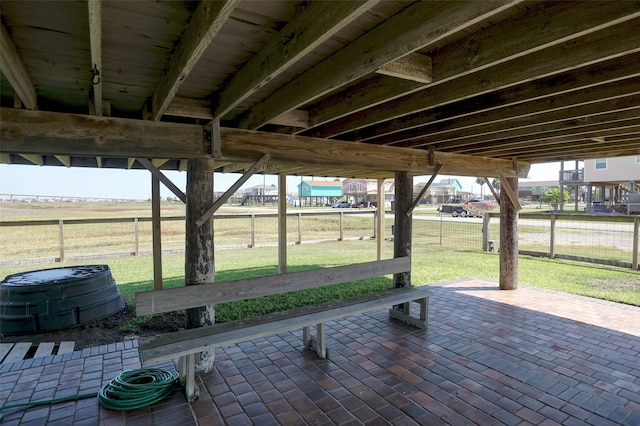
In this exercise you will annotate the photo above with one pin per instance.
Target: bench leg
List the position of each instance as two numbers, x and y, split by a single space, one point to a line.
306 337
187 372
317 343
404 315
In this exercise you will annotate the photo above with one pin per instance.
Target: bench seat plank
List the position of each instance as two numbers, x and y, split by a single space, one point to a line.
193 296
173 345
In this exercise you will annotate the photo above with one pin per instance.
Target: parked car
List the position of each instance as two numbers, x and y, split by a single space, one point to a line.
481 204
341 205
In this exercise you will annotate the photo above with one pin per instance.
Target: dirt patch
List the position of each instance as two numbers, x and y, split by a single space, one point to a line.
611 284
111 329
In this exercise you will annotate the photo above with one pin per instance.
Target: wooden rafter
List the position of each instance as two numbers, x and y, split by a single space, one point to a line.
95 41
560 120
414 67
412 29
504 67
193 108
607 78
64 159
295 118
301 35
33 158
605 125
14 70
205 24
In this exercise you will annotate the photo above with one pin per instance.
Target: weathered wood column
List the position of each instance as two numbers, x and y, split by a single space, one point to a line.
403 224
199 260
509 239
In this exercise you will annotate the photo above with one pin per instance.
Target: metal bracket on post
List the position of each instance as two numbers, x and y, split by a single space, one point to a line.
212 136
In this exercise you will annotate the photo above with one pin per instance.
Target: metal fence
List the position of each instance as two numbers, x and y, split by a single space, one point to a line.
602 239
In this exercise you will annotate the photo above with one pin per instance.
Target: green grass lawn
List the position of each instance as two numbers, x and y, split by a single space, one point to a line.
429 266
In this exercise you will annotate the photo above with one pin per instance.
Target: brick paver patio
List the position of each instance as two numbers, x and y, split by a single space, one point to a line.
489 357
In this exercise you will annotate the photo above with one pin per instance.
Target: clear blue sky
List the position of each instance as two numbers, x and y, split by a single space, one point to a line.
136 184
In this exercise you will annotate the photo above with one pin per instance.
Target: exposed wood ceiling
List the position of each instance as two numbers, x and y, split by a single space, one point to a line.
330 88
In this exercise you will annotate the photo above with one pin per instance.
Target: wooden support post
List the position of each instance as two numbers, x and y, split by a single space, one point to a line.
282 223
552 237
636 242
61 239
380 220
136 231
509 238
199 253
486 234
156 232
403 225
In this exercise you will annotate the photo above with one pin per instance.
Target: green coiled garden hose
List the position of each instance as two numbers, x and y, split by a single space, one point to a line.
129 390
132 389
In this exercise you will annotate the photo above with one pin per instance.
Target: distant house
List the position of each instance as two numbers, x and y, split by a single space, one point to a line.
319 192
613 183
605 184
366 190
445 191
260 194
533 190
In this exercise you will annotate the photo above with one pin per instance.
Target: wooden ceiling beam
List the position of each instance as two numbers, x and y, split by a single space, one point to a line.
298 37
205 24
53 133
295 118
49 133
14 70
358 96
608 121
552 141
516 67
583 152
544 120
192 108
525 100
240 145
415 27
414 66
95 43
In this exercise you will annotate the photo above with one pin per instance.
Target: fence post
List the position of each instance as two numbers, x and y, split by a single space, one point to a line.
61 238
136 249
253 230
552 237
636 241
341 227
299 228
486 220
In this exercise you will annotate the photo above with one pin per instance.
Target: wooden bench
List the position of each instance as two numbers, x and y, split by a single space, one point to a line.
185 344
